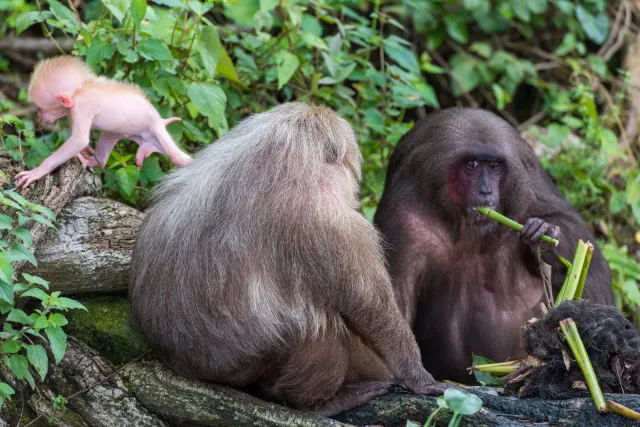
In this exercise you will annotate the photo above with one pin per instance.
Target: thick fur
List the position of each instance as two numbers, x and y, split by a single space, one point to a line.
253 265
467 288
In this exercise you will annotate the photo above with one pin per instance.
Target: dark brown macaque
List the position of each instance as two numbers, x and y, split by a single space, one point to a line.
253 266
465 283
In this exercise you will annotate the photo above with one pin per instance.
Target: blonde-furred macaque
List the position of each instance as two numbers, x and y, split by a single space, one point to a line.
66 86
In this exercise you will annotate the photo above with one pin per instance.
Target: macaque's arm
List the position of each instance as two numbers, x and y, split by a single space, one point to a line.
78 140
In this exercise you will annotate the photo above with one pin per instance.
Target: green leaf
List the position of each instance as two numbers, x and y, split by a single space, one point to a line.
314 41
11 347
482 49
268 5
37 356
6 292
595 27
63 13
520 9
138 10
537 6
41 322
19 316
35 293
209 48
19 252
617 202
36 280
58 342
411 424
211 102
6 222
402 55
456 28
64 302
58 319
454 398
19 365
99 51
27 19
633 191
226 67
128 179
43 210
118 8
24 235
287 65
598 65
153 49
6 390
18 198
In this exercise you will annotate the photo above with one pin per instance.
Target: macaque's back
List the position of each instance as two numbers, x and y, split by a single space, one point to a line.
118 107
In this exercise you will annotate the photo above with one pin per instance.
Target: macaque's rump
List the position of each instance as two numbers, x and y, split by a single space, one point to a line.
253 266
65 85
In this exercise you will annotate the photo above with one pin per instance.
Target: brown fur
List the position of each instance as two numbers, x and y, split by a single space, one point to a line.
253 266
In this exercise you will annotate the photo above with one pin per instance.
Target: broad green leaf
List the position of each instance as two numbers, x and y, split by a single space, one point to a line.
287 65
138 10
63 13
11 347
128 179
537 6
6 291
37 356
154 50
41 322
58 319
6 269
598 65
118 8
35 293
457 28
45 211
6 390
58 342
19 365
24 235
268 5
617 202
226 67
211 102
19 316
36 280
98 51
6 222
633 191
209 48
482 49
470 405
18 198
27 19
241 12
485 378
402 55
314 41
19 252
595 27
64 302
521 10
463 67
454 398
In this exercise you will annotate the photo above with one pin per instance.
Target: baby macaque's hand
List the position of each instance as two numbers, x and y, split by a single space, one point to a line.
24 178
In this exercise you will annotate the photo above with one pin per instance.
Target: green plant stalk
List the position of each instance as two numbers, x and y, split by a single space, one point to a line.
570 332
455 419
510 223
431 417
585 270
568 290
622 410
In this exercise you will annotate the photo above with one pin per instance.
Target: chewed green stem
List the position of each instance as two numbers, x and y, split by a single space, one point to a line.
510 223
585 270
572 281
570 332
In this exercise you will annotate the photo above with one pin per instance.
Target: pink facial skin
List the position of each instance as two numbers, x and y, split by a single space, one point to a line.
65 86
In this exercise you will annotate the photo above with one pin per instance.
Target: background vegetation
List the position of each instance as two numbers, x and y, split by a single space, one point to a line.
565 70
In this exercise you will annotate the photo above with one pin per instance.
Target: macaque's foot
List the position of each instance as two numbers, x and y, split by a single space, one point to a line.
181 159
87 158
424 384
533 231
352 395
24 178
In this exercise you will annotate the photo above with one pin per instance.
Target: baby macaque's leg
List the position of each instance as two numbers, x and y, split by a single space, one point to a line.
104 146
78 140
167 146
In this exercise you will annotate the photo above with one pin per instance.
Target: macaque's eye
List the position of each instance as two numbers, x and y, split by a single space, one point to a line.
472 165
495 166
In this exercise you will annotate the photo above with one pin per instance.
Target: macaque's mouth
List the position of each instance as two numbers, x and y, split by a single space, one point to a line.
475 217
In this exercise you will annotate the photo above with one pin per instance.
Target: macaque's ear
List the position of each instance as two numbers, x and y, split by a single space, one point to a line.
65 100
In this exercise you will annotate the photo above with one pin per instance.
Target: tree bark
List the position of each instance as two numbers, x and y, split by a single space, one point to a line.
91 249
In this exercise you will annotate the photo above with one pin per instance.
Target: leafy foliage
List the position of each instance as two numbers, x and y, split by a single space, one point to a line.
458 402
380 64
25 331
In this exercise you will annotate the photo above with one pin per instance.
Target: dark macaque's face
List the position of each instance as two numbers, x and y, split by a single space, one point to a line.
476 182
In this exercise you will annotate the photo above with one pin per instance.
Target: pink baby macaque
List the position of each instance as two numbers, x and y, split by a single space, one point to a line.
65 85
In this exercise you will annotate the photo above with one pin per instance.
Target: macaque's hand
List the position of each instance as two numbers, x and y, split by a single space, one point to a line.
24 178
424 384
533 231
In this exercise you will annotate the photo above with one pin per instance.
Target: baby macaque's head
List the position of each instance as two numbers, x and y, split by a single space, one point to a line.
53 84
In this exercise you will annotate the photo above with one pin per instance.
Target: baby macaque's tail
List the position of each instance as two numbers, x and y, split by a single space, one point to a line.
171 120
